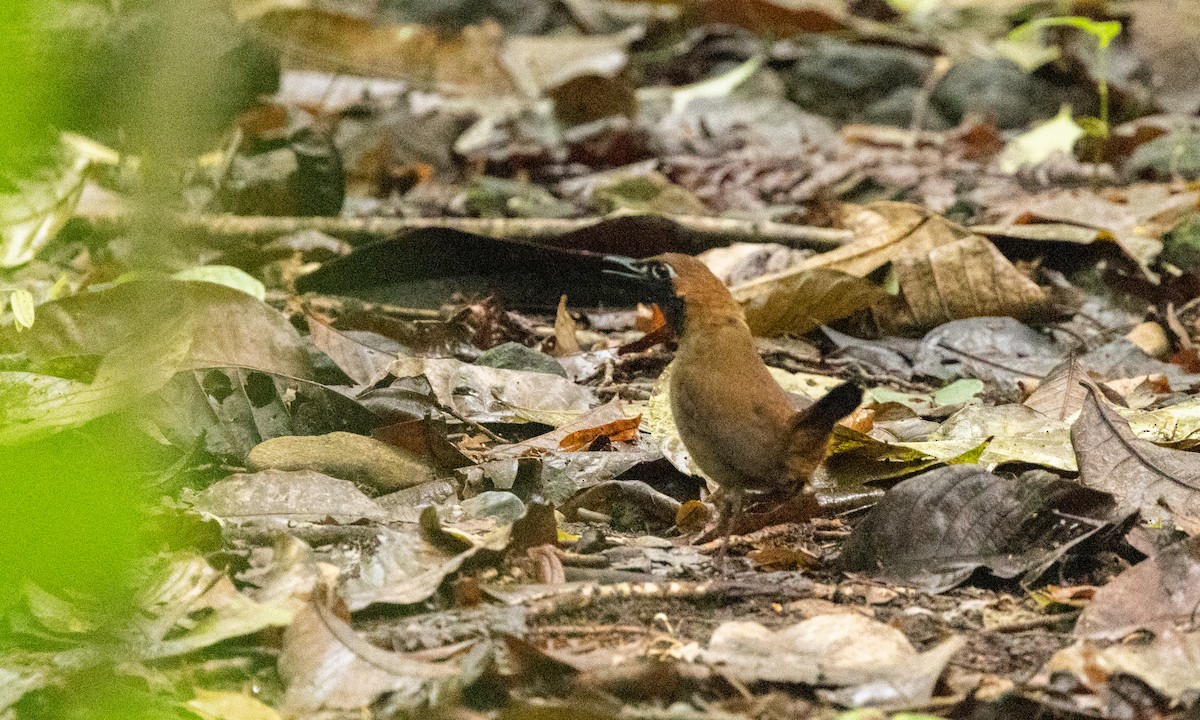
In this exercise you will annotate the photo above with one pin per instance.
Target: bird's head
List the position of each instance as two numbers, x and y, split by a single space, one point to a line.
680 284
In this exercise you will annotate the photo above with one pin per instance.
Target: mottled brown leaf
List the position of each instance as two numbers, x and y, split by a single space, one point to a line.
962 279
1159 482
1061 393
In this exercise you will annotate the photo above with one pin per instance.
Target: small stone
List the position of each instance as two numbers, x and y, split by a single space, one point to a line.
499 504
362 460
515 356
1151 339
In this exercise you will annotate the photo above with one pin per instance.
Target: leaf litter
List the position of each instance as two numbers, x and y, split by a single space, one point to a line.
416 451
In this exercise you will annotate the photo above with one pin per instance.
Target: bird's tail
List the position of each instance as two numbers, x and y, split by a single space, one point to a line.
811 428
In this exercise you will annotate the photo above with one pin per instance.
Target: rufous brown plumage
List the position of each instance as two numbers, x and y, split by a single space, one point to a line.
737 423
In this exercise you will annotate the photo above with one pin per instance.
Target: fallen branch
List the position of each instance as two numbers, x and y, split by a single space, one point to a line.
228 231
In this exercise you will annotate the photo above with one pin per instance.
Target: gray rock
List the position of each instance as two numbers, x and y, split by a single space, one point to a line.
997 89
840 80
514 356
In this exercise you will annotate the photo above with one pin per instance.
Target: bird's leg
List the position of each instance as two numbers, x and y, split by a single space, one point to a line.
729 519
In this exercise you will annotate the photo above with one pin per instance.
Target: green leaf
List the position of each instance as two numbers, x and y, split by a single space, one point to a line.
224 275
22 308
1093 127
1104 32
959 391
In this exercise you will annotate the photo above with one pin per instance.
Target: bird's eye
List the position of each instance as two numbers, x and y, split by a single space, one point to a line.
660 271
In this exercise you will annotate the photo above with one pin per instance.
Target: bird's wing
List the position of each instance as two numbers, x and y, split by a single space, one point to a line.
735 425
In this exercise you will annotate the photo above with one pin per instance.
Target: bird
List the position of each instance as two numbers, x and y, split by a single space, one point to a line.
739 426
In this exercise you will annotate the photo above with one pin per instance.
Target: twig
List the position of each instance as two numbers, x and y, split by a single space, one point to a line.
1033 624
590 630
229 231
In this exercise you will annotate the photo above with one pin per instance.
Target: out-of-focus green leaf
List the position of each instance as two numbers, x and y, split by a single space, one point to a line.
225 705
34 405
225 275
21 302
43 202
1103 31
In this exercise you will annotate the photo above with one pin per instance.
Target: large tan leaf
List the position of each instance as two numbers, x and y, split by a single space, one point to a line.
962 279
871 662
883 232
799 302
227 327
478 61
1158 594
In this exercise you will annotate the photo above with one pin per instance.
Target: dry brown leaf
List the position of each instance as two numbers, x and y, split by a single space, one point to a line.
884 232
1159 482
623 430
542 63
565 342
309 37
964 278
1157 594
327 666
797 302
1061 393
1135 219
778 18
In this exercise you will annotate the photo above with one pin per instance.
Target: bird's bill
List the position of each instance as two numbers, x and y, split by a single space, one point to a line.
626 268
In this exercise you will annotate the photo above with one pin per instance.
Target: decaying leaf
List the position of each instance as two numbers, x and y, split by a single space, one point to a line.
486 394
1158 594
362 363
226 327
868 662
565 342
1060 395
326 665
1167 663
1135 222
885 232
961 279
280 497
230 410
800 302
1163 484
623 430
1013 433
409 564
631 504
933 530
1001 351
189 606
